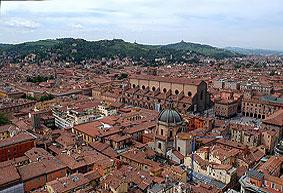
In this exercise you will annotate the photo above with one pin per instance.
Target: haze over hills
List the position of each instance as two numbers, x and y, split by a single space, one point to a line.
79 49
260 52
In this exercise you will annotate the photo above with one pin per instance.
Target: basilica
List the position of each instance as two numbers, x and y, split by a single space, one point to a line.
153 92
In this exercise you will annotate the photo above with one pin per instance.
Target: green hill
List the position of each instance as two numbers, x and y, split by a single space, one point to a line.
78 49
205 50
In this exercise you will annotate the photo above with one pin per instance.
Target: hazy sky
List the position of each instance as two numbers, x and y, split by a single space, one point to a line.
243 23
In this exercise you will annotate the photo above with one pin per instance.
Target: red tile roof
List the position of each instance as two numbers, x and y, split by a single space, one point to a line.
167 79
275 119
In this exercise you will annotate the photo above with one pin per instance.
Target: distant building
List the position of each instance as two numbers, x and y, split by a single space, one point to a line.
11 93
260 107
226 84
274 122
107 110
160 188
218 84
246 135
69 117
36 174
68 184
265 178
226 108
10 180
16 146
153 92
204 164
231 85
256 88
8 105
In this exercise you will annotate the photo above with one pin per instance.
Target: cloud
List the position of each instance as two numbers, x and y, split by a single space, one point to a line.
77 26
20 23
217 22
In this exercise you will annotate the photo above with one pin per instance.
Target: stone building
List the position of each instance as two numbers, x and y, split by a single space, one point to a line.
227 104
260 107
226 108
274 122
246 135
153 92
257 88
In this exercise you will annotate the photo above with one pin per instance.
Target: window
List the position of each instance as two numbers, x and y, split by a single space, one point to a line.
164 90
159 145
179 149
176 92
170 134
153 88
143 87
189 93
134 86
161 131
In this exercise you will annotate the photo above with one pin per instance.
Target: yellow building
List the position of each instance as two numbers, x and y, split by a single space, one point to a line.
5 131
45 105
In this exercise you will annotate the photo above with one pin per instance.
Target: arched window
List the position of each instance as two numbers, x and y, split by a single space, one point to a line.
143 87
134 86
153 88
176 92
164 90
189 93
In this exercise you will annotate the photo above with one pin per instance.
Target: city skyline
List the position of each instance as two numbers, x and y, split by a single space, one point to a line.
256 24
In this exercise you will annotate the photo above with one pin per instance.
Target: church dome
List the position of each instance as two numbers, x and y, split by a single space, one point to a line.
170 116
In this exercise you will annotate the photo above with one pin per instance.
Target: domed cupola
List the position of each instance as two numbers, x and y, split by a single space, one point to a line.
170 116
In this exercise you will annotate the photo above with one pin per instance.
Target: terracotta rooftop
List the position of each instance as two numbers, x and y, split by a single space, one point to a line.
275 119
8 175
68 183
90 129
36 169
167 79
19 138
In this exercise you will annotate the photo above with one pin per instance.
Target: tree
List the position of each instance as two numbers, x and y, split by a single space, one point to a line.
4 119
123 76
237 66
272 73
46 97
39 78
30 97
